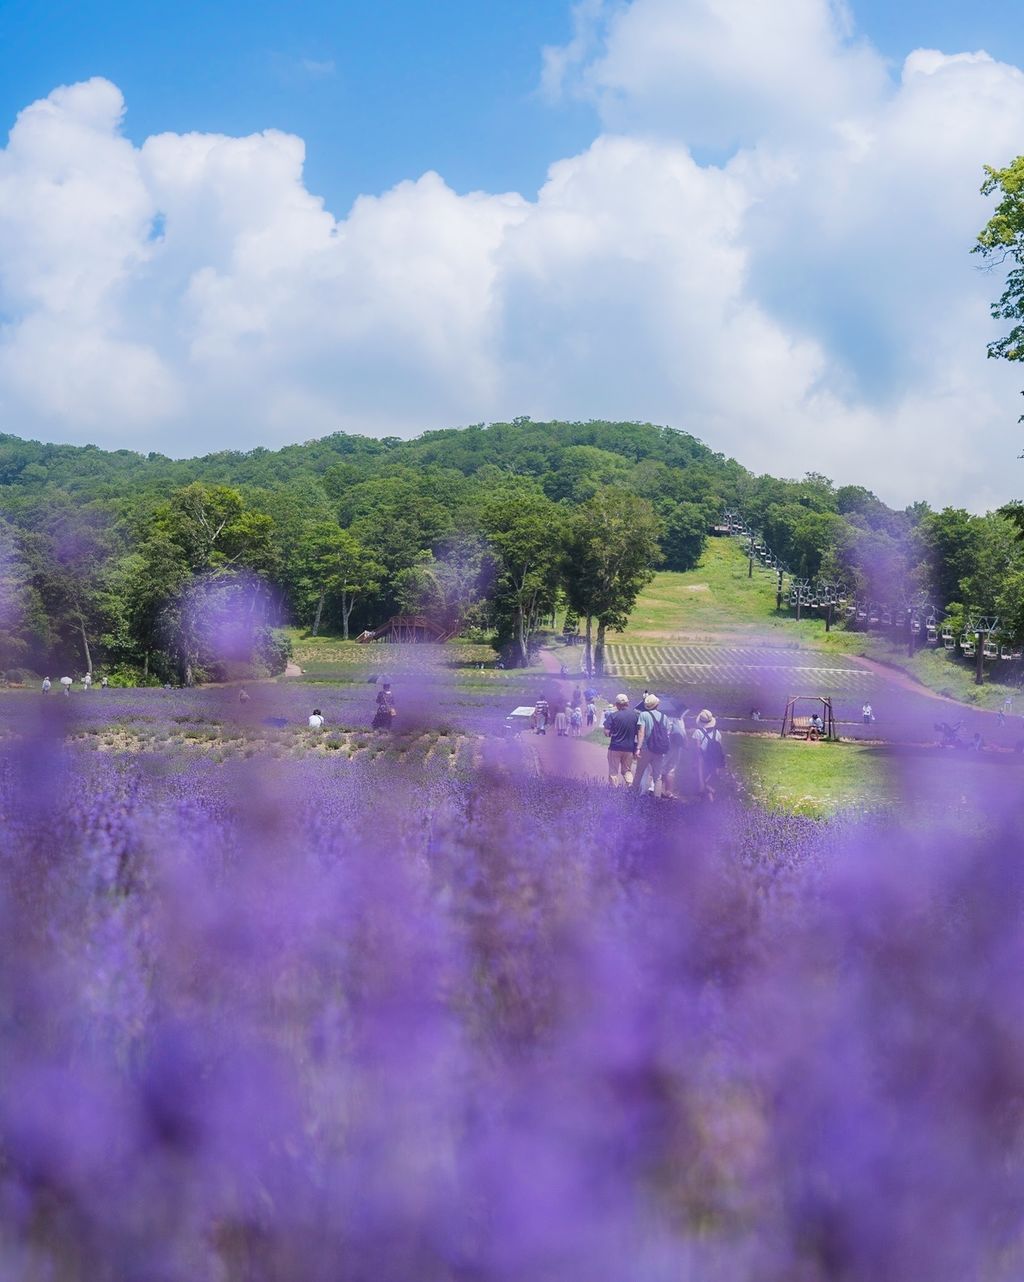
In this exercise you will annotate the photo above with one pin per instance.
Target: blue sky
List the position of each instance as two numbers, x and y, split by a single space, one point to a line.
380 91
748 220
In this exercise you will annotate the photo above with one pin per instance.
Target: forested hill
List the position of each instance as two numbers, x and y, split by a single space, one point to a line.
522 447
154 568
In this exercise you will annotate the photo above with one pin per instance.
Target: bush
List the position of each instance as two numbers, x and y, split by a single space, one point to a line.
126 676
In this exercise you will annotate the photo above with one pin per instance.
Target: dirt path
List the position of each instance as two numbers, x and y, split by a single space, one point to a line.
566 758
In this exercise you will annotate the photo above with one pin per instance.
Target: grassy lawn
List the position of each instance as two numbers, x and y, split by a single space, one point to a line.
814 779
935 668
330 658
716 599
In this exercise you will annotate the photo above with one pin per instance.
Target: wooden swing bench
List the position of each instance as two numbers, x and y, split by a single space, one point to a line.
799 726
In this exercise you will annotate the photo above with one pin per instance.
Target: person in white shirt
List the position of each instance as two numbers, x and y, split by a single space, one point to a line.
87 681
316 720
707 740
46 685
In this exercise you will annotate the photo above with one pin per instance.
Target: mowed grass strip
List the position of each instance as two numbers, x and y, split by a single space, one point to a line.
316 655
812 779
716 597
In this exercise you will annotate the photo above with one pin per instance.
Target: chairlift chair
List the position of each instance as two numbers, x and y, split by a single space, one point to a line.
886 619
967 647
873 620
948 639
990 650
932 634
1009 652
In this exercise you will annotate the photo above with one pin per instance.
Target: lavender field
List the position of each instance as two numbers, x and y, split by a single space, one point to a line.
282 1016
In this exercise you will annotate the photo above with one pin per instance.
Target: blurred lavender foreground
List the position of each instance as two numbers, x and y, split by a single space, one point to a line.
302 1023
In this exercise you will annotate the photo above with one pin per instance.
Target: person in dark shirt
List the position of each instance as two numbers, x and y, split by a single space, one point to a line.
621 729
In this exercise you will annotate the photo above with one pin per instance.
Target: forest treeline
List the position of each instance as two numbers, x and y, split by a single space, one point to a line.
158 569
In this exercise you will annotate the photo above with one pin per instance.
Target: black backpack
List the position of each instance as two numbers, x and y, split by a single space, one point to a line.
657 740
714 753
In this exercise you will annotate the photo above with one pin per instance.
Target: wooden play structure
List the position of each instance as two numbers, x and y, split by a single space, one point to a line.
404 628
797 724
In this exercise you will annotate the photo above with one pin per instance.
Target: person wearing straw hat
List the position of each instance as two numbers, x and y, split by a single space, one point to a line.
653 746
707 740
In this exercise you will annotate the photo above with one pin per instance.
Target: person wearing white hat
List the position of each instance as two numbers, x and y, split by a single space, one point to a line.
621 727
707 739
652 745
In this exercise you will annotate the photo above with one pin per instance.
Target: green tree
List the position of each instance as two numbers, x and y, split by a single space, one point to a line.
609 557
950 543
356 573
1001 241
23 633
447 588
525 531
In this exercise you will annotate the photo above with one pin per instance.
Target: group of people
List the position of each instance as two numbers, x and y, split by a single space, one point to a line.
383 716
568 719
651 750
67 682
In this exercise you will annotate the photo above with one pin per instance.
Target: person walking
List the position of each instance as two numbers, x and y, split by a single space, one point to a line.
46 685
385 713
591 713
677 743
104 683
66 684
243 695
540 717
576 722
316 720
622 727
577 697
87 681
562 723
867 714
652 746
707 740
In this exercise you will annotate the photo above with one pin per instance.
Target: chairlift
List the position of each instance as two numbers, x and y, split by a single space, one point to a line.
861 612
873 620
915 624
990 650
932 634
1009 652
886 618
967 647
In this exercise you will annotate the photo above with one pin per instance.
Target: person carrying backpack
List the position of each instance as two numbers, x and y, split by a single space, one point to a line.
677 752
707 739
652 745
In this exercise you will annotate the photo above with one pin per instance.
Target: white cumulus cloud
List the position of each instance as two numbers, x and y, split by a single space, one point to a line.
806 301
